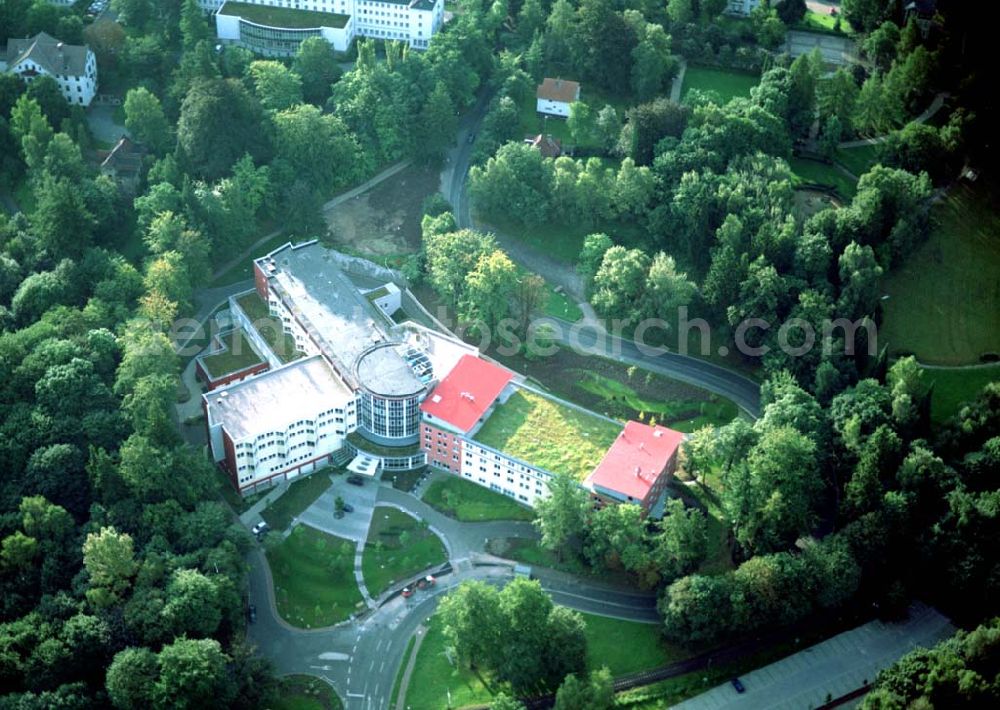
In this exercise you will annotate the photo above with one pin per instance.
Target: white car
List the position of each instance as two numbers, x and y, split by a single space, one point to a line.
260 528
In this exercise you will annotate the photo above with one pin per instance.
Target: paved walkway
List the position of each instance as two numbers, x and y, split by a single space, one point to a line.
831 669
404 683
678 84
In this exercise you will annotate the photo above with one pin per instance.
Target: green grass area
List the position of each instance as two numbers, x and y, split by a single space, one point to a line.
681 414
727 83
623 646
299 496
284 17
269 327
548 434
858 160
313 576
627 646
243 269
559 305
954 387
237 354
563 242
398 547
706 495
238 503
532 123
404 480
944 300
822 22
471 503
806 171
306 692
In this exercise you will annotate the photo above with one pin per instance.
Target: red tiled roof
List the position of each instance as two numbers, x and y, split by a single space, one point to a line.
562 90
633 463
465 394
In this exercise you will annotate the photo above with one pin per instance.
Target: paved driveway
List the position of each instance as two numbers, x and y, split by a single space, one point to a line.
835 50
831 669
353 526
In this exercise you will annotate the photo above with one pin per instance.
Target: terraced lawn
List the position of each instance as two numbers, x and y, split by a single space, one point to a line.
472 503
398 547
806 171
314 578
268 327
238 354
548 434
726 83
954 387
858 160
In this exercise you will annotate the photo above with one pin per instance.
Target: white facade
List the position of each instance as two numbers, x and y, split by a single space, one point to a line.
411 21
503 474
77 79
741 7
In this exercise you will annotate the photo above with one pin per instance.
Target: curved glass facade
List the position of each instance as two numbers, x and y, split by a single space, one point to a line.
274 40
390 420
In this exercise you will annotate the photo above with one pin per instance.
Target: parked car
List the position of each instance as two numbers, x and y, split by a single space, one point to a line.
472 138
252 613
260 528
738 685
348 508
426 582
407 592
356 480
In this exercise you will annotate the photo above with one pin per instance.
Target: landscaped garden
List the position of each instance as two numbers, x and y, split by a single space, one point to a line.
727 83
268 327
237 354
398 547
313 575
472 503
306 692
548 434
943 302
299 496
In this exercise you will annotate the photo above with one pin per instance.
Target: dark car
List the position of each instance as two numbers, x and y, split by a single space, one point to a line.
356 480
738 685
348 508
426 582
472 138
252 613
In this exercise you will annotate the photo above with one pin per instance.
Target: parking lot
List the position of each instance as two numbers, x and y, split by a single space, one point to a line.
354 525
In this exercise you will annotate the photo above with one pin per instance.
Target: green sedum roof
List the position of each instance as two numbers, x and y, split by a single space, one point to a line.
284 17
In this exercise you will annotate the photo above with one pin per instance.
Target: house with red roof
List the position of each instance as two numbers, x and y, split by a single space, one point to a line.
458 405
637 467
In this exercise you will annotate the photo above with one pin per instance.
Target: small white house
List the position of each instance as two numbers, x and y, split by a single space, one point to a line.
74 67
741 7
555 95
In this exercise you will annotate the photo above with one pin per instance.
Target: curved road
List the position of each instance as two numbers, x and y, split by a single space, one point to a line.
714 378
361 658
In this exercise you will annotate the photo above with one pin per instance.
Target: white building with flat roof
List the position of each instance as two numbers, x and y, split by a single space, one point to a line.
74 67
277 27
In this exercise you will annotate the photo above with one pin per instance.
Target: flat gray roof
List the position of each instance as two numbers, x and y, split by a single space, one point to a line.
384 371
341 320
269 402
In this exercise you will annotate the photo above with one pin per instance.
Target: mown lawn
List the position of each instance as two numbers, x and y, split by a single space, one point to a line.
306 692
548 434
471 503
314 578
954 387
727 83
398 547
822 22
807 171
623 646
944 300
858 160
563 242
299 496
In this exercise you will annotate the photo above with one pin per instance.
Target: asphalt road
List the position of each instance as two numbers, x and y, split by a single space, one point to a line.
714 378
